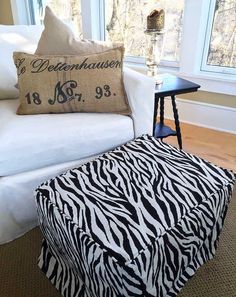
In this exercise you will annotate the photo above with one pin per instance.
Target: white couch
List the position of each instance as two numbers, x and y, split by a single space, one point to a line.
35 148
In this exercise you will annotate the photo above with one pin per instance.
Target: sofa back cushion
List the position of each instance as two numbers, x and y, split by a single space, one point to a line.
14 38
61 83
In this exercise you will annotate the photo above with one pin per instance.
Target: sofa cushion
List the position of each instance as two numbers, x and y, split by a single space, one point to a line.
62 83
36 141
14 38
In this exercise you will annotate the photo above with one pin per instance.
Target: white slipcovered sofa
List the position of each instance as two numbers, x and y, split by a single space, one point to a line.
34 148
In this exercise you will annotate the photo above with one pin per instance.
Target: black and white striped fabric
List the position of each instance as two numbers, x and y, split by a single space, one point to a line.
137 221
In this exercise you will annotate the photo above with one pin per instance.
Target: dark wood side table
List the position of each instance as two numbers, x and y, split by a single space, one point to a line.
172 86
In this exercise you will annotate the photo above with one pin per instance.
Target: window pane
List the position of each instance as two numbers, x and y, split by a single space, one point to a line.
222 49
68 11
126 22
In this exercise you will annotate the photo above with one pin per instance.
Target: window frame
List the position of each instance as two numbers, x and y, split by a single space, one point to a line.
209 28
193 41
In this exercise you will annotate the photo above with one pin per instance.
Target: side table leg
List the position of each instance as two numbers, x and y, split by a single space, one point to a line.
177 125
155 115
162 111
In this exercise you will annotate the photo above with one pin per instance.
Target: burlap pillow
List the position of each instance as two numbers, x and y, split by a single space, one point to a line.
56 84
58 38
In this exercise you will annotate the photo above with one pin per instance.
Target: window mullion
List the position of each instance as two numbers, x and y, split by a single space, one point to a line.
208 35
92 19
20 11
194 26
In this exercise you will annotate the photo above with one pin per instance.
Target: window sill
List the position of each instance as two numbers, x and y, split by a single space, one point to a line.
209 82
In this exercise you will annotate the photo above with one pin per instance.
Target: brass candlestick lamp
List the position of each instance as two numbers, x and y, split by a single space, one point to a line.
155 29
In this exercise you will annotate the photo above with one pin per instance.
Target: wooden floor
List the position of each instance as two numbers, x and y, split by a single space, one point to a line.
214 146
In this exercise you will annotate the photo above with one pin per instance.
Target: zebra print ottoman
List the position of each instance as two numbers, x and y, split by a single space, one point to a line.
136 221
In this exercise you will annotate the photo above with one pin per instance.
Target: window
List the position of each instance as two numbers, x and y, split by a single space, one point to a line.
199 39
125 21
220 46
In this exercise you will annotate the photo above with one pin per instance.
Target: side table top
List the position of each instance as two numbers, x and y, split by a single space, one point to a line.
173 85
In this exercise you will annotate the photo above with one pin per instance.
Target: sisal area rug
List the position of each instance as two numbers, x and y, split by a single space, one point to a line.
20 276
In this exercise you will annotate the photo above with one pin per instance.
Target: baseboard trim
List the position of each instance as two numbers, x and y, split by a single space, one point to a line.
202 114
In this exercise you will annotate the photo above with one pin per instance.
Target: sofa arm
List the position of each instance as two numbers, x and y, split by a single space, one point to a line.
140 92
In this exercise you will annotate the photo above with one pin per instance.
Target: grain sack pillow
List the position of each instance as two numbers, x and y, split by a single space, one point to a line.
58 38
68 83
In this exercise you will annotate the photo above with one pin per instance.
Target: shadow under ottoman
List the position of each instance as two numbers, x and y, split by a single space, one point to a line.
136 221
